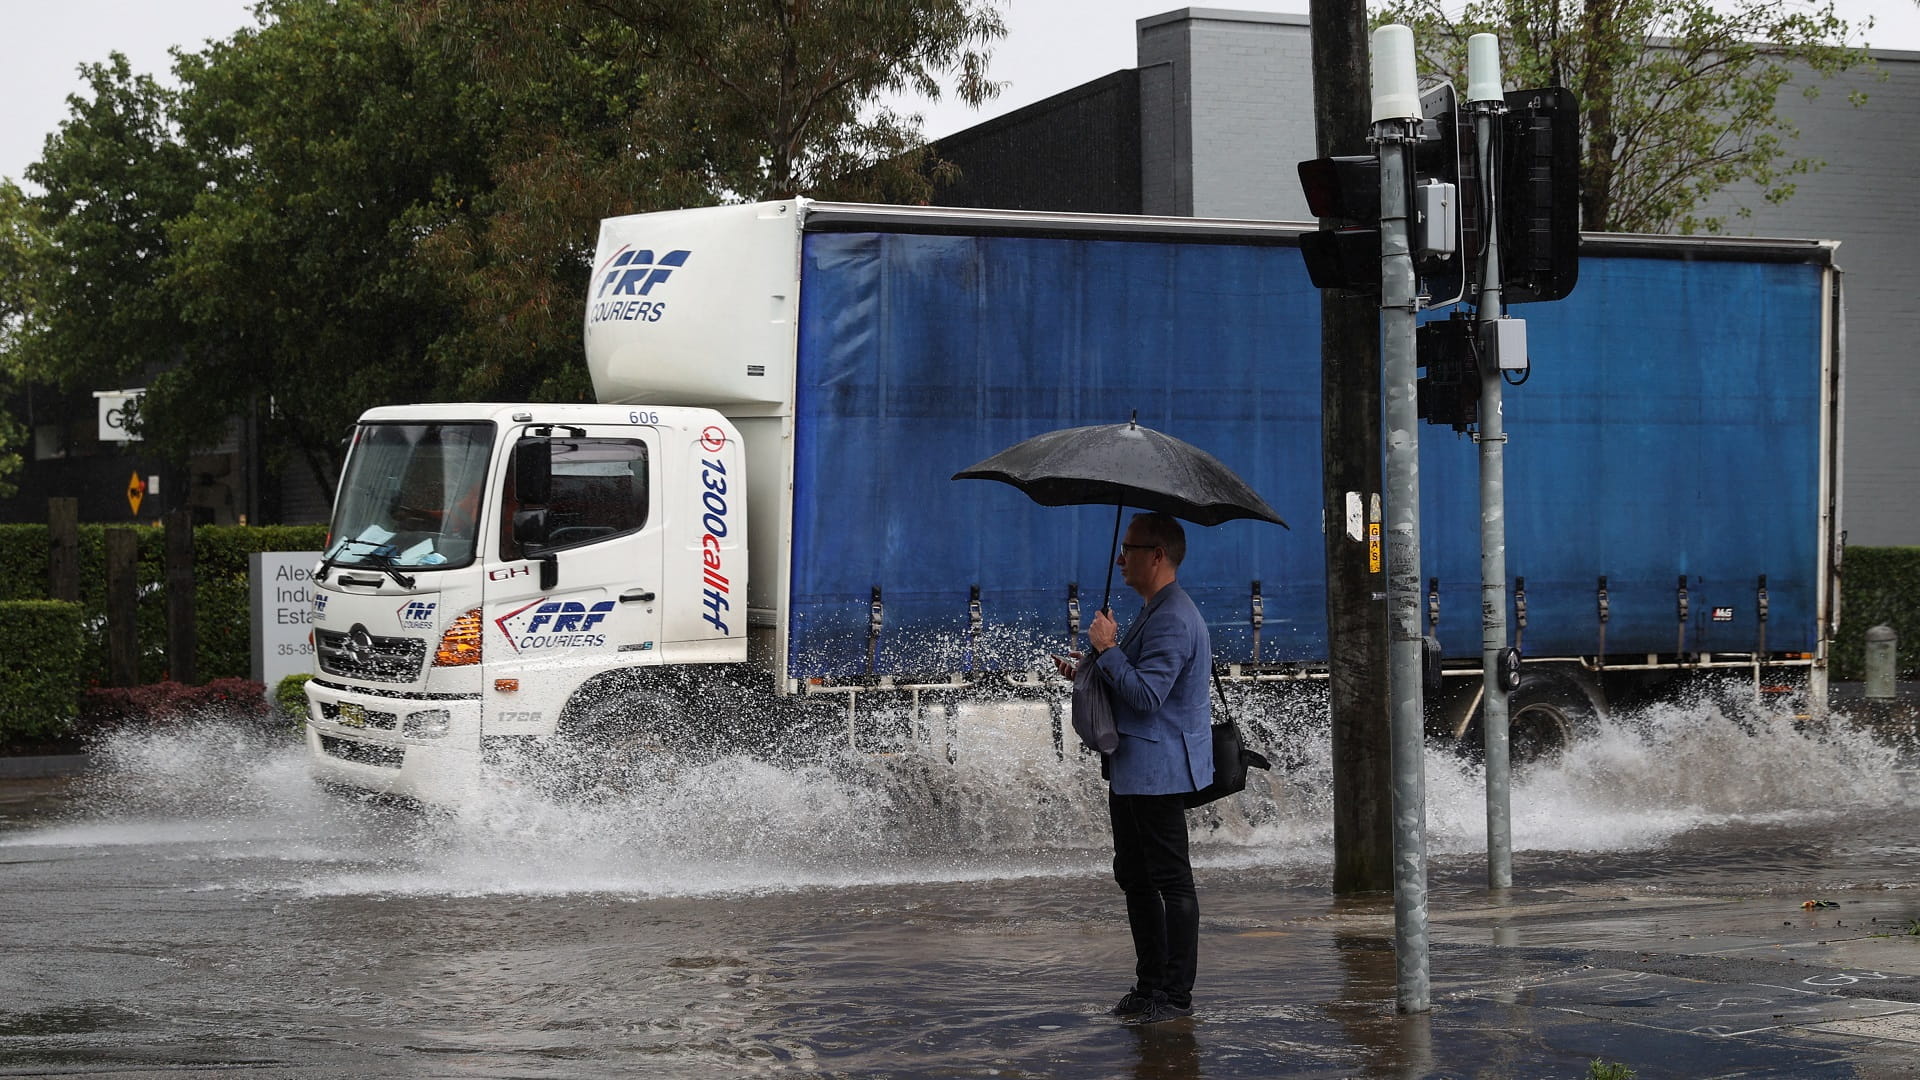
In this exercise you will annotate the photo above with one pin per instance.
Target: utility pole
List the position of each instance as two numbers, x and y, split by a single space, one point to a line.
1488 102
1350 492
1396 127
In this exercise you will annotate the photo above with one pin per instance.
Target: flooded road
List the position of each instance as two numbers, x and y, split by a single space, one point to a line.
198 904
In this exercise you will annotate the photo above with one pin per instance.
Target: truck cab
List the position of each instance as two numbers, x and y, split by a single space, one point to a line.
490 568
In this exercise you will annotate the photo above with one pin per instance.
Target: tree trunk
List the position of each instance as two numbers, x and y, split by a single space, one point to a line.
1600 27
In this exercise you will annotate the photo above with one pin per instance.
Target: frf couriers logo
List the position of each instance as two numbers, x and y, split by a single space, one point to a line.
554 624
417 614
628 276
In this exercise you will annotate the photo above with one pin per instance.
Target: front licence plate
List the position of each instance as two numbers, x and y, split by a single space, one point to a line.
352 715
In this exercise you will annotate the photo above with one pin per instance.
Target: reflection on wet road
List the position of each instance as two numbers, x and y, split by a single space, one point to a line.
198 903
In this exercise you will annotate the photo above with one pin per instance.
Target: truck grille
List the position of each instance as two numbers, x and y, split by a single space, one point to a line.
376 659
390 757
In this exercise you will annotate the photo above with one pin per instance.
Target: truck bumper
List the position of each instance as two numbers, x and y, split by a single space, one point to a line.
423 749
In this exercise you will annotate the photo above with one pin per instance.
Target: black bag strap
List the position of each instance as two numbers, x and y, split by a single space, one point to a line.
1252 758
1225 706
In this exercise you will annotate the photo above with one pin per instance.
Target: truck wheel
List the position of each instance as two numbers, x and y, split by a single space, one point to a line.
627 743
1547 714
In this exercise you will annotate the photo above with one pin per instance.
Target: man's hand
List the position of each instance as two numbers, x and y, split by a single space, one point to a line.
1065 664
1104 633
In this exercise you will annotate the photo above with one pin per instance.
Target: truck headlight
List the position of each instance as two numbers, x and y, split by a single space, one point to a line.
429 724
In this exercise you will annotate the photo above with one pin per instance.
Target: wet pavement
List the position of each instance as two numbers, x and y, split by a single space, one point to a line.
196 907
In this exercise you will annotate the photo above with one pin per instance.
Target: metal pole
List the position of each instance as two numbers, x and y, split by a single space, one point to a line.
1485 98
1396 112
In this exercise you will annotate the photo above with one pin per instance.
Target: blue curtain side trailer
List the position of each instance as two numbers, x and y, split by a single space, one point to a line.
1677 430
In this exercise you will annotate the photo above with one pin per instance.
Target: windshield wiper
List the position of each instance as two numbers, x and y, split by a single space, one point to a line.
376 550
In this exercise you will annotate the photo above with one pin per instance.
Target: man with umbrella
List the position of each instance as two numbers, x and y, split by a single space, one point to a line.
1157 679
1156 675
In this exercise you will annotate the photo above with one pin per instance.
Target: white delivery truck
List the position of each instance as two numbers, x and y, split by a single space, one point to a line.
761 512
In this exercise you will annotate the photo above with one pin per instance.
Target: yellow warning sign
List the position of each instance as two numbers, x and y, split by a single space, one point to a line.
1373 547
136 490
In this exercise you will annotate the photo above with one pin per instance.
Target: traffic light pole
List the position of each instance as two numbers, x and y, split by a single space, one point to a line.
1488 103
1396 118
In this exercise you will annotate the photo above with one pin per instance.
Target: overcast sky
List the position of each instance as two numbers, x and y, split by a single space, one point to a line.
1051 45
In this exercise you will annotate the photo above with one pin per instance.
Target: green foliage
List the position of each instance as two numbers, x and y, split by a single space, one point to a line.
1878 585
1602 1069
360 202
39 673
22 249
1677 97
291 696
221 620
112 177
639 105
222 624
330 146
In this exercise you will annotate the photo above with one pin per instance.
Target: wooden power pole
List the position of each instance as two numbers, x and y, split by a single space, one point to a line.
1350 456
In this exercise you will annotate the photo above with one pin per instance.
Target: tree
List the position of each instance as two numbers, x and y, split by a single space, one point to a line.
359 202
111 178
330 146
627 106
1677 97
23 247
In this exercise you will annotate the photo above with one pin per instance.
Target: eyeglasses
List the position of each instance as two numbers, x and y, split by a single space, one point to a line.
1137 547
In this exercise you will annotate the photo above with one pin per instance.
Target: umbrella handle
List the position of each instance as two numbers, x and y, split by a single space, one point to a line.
1112 557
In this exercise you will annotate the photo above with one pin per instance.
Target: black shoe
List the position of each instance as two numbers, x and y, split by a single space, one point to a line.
1133 1004
1160 1011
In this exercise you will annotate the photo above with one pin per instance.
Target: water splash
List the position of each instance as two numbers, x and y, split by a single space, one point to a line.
1005 805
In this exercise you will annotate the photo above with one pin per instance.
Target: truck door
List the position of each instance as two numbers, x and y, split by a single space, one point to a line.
574 593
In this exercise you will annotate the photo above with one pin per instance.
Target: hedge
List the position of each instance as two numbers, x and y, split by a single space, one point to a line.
1878 585
103 709
223 625
40 670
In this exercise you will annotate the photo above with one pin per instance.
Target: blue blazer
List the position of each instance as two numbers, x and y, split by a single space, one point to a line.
1158 674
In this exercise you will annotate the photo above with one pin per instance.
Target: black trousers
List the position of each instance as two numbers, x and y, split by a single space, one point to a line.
1150 862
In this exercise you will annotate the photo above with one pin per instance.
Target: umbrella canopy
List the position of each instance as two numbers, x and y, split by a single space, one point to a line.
1124 465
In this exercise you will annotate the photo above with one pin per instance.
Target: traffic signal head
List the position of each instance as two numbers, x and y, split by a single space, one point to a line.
1344 193
1540 195
1449 393
1343 189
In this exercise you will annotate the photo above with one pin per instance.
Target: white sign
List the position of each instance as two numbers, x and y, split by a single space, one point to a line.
116 407
282 607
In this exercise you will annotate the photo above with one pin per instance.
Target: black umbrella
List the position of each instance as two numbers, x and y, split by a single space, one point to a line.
1126 465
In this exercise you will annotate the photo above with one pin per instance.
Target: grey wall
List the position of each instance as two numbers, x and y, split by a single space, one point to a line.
1234 112
1078 151
1863 198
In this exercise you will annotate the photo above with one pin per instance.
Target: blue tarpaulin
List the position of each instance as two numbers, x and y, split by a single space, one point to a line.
1670 427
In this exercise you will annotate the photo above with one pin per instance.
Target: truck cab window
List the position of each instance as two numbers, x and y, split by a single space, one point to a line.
410 498
599 490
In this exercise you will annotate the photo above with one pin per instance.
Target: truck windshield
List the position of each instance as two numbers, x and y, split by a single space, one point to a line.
410 498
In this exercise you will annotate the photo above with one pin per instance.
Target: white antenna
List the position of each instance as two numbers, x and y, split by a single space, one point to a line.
1483 69
1396 95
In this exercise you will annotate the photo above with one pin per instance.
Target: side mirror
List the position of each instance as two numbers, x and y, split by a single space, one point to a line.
532 472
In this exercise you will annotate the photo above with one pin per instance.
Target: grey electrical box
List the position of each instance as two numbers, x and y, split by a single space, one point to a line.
1504 341
1438 207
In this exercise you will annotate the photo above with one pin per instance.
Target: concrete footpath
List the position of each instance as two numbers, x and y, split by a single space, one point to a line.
1543 984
